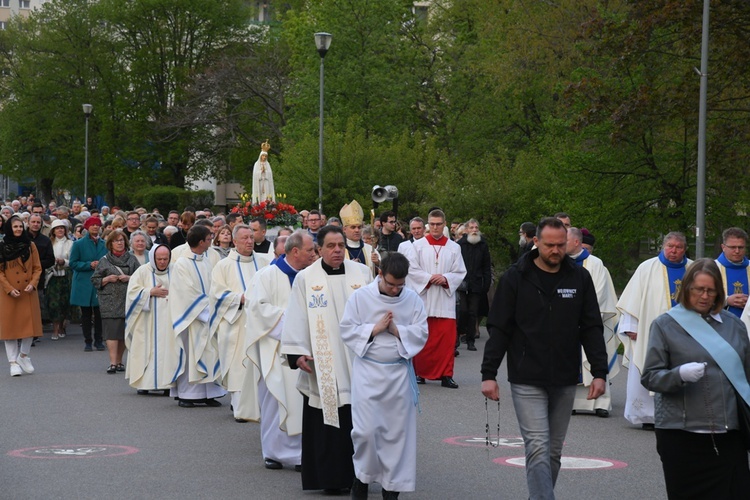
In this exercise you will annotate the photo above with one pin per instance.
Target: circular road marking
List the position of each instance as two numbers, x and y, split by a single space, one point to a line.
569 463
75 451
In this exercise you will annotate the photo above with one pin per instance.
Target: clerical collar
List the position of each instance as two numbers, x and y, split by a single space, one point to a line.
331 271
675 265
354 244
581 256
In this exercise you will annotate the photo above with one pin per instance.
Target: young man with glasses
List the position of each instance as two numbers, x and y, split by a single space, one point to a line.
733 265
436 270
384 325
648 295
389 238
314 221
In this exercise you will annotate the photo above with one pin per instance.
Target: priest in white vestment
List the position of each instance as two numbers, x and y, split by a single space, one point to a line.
607 298
436 270
352 219
651 291
231 280
385 326
269 391
153 352
311 340
191 312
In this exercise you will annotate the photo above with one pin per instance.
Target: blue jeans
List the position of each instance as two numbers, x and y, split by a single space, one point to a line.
543 414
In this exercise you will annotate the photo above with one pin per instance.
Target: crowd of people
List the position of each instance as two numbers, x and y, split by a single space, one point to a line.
321 332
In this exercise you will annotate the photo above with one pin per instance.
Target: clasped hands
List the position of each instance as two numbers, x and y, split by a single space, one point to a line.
386 324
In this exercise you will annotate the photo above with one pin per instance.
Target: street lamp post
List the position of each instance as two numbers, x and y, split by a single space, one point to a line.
322 42
87 108
700 206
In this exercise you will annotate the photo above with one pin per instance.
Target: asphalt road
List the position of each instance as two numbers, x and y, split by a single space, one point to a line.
72 431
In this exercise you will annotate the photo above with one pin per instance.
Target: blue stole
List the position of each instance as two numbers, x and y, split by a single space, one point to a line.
723 353
584 255
675 272
286 269
735 276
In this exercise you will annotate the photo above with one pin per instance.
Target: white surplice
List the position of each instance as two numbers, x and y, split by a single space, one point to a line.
646 297
189 305
384 391
269 390
231 278
153 352
607 298
424 261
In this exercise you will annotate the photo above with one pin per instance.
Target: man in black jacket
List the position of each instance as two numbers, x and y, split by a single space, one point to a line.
545 308
44 247
473 298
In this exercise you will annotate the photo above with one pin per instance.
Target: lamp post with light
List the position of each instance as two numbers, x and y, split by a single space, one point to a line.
87 108
322 42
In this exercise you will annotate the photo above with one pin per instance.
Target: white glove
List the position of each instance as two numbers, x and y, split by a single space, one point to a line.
692 372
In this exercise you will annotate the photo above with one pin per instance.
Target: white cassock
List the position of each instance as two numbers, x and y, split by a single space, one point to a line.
311 328
384 390
153 352
646 297
406 248
184 251
607 297
230 279
269 391
189 305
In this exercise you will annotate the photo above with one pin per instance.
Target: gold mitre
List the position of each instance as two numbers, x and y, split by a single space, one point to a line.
265 146
352 214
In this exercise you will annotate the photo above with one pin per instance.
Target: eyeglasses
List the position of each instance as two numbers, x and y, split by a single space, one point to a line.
435 224
391 221
699 292
393 285
312 220
735 248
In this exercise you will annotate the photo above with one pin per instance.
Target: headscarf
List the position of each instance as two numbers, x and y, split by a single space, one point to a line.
13 247
152 259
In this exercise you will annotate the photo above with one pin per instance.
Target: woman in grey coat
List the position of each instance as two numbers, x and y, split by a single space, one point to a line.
111 280
697 425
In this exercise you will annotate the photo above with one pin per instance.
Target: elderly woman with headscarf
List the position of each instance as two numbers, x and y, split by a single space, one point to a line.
111 280
21 318
153 352
58 279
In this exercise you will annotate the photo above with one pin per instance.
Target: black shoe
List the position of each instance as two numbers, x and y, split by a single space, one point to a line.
99 346
648 427
212 403
389 495
456 353
270 463
602 413
359 490
298 468
420 380
111 369
88 347
448 382
120 367
185 404
165 392
240 420
471 347
142 392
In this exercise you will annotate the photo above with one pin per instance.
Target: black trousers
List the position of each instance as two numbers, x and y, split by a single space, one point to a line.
693 470
468 314
86 321
327 451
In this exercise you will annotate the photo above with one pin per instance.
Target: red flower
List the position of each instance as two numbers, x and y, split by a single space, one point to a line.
269 216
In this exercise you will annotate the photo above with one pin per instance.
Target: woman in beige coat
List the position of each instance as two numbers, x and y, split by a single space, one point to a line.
21 318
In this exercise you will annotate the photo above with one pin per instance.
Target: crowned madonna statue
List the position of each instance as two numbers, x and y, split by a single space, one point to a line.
263 188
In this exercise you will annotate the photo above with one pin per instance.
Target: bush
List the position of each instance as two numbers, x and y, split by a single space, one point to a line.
167 198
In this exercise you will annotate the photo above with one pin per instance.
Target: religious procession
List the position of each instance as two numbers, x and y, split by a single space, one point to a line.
321 329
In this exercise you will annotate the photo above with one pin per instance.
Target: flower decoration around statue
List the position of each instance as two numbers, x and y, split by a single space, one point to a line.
276 213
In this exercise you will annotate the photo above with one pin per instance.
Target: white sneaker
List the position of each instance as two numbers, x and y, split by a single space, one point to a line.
15 370
25 363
